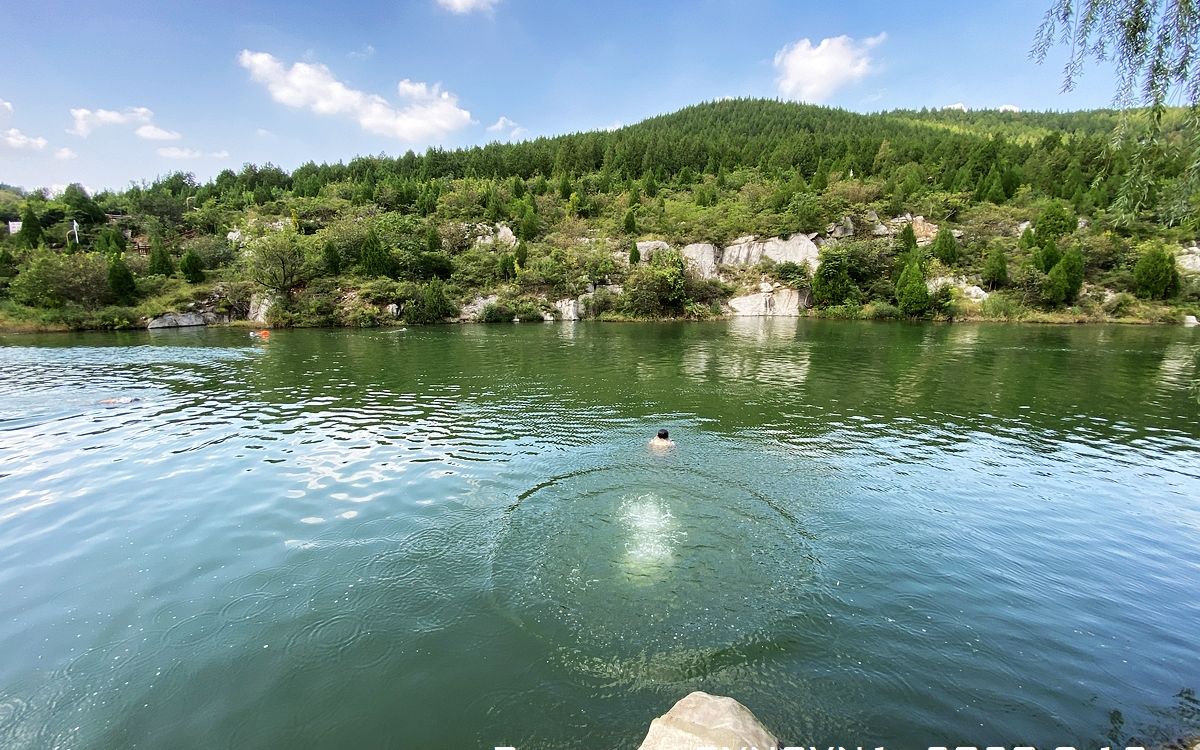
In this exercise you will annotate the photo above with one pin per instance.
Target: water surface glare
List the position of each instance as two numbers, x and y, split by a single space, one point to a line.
870 534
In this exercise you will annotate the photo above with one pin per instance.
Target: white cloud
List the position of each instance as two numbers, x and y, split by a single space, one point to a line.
6 106
511 130
1009 108
155 133
362 53
429 112
87 120
957 105
813 74
176 152
264 133
16 139
467 6
63 154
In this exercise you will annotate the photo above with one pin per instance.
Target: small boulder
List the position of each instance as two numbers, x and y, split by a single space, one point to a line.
701 720
648 248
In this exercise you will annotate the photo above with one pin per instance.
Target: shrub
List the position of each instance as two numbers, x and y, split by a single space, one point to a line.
911 294
945 247
191 267
121 286
995 268
431 305
879 310
1155 273
495 312
1118 304
50 279
999 305
794 275
214 252
160 260
831 284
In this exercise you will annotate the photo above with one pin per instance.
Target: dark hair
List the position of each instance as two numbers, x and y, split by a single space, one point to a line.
662 434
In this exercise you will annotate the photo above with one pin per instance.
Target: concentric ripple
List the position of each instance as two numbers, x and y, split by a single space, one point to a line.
630 571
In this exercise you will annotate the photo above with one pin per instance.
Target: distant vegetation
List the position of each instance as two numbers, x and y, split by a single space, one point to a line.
338 244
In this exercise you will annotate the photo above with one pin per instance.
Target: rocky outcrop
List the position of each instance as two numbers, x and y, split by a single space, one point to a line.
260 305
925 231
748 251
703 258
500 234
781 303
647 249
700 720
971 291
568 309
1188 260
471 312
183 320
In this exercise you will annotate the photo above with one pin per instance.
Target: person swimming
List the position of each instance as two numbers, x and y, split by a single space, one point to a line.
662 440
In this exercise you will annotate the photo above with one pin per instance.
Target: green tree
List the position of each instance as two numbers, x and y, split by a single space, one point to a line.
80 206
995 268
635 255
522 255
1047 256
121 286
431 304
433 240
912 296
650 185
331 259
1028 241
1053 222
375 259
51 279
160 259
945 247
906 241
630 222
564 187
1055 286
30 235
1071 265
192 267
831 284
1155 273
276 262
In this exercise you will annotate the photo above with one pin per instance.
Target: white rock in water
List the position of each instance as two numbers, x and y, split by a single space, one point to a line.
647 249
179 320
568 309
702 258
797 248
701 720
781 303
1189 320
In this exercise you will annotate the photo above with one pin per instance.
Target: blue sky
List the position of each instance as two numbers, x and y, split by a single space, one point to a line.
103 93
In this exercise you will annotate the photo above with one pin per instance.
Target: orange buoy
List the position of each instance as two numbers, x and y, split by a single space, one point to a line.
264 333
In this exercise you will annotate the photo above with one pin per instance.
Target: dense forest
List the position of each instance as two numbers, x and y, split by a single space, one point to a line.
1030 206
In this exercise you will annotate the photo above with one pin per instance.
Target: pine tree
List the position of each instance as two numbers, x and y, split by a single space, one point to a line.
650 185
331 259
995 268
1155 273
911 294
564 187
1028 240
433 240
630 222
906 241
30 235
160 259
1047 256
120 281
1072 265
945 247
995 190
191 267
635 255
522 255
375 259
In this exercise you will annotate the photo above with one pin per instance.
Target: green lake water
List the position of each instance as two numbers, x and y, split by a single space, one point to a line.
456 537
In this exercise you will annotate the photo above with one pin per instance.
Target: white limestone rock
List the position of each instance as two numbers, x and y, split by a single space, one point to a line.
975 293
260 305
971 291
1188 260
648 248
700 720
181 320
1190 320
797 248
470 312
703 258
568 309
780 303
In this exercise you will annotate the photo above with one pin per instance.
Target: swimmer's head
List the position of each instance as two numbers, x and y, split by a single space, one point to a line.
663 435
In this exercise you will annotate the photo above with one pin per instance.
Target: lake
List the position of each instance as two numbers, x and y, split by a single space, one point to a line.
455 536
